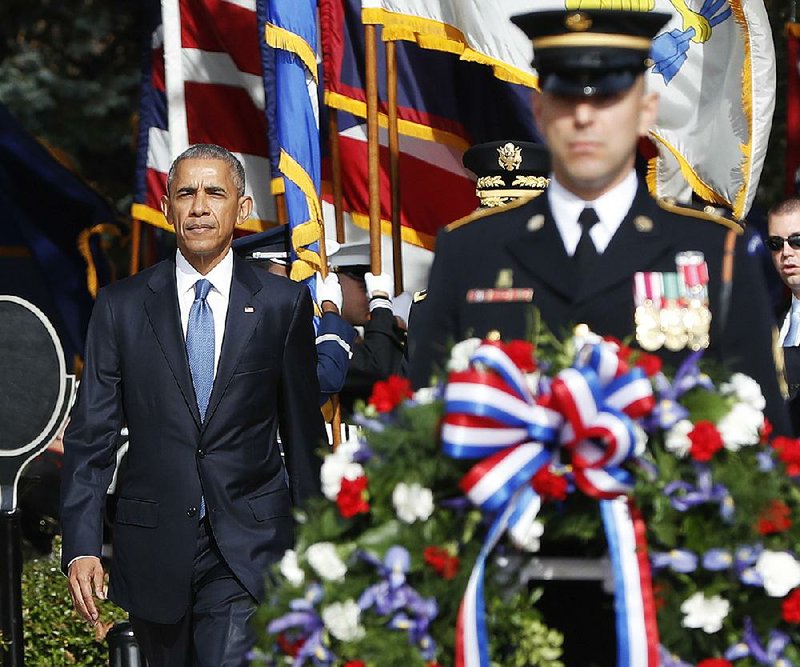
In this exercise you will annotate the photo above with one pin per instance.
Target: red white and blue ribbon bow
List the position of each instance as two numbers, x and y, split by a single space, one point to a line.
586 416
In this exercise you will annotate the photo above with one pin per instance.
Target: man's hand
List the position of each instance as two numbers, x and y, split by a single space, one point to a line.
378 285
86 576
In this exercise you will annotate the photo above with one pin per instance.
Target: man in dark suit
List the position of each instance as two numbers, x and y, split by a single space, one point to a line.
203 358
574 252
783 243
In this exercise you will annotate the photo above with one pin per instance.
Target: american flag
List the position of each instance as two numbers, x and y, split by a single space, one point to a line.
202 82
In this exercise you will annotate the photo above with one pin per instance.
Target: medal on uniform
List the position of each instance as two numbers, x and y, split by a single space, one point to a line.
693 277
647 297
671 315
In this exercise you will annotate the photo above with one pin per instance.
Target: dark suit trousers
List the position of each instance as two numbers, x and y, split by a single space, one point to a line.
216 631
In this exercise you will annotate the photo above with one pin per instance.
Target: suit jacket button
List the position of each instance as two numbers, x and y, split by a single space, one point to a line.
191 512
201 453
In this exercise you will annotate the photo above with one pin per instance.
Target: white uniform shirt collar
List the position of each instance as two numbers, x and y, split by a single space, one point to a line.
611 209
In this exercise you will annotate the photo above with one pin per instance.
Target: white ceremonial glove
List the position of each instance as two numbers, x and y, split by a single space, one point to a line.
377 284
328 289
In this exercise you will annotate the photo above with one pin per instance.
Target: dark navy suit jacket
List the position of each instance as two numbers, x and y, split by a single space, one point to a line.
137 375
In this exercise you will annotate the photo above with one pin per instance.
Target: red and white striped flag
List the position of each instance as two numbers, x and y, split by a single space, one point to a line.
205 85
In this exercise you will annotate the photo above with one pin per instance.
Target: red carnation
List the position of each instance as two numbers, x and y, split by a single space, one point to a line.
388 394
789 452
354 663
521 353
441 560
291 648
624 352
715 662
790 607
649 363
352 497
766 431
774 518
706 441
549 485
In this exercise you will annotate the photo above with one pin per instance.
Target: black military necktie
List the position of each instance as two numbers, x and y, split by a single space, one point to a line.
586 252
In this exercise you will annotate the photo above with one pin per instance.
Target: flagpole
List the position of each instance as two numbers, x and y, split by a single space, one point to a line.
336 172
336 418
394 165
373 149
136 245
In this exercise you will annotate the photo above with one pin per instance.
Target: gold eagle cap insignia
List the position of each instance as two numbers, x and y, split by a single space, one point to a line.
577 22
509 156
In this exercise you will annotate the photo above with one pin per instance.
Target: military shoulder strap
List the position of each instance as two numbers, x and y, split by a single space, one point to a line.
714 214
479 213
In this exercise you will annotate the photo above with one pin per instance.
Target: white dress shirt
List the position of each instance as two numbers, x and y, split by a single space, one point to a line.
611 209
786 321
218 297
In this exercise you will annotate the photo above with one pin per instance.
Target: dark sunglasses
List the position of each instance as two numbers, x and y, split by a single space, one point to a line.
775 243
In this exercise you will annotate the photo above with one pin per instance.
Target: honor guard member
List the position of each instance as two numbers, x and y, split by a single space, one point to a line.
506 170
367 304
597 248
270 251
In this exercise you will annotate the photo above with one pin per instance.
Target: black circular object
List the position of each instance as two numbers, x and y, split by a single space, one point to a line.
33 381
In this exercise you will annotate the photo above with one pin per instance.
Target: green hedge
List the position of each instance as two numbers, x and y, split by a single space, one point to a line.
54 633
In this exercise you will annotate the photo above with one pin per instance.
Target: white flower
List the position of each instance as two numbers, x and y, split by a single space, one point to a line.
342 620
291 569
339 465
739 428
461 353
424 395
412 502
529 541
779 571
325 560
706 613
677 438
746 390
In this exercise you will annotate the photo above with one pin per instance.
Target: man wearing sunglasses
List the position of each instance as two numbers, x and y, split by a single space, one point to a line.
783 242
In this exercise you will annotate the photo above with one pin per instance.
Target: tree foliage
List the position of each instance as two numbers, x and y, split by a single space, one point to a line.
69 71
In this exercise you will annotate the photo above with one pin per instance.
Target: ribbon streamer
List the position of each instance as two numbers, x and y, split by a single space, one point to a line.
587 414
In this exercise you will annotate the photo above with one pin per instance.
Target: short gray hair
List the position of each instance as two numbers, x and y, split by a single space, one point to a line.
210 152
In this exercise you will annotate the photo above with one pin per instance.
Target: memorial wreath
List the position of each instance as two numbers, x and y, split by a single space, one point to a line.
412 556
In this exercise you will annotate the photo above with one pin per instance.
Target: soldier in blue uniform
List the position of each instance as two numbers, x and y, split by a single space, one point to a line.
270 250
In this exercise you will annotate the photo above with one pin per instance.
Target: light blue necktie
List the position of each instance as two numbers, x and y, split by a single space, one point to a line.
200 348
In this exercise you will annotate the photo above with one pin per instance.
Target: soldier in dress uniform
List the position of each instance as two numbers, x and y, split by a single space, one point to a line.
597 248
505 171
379 350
